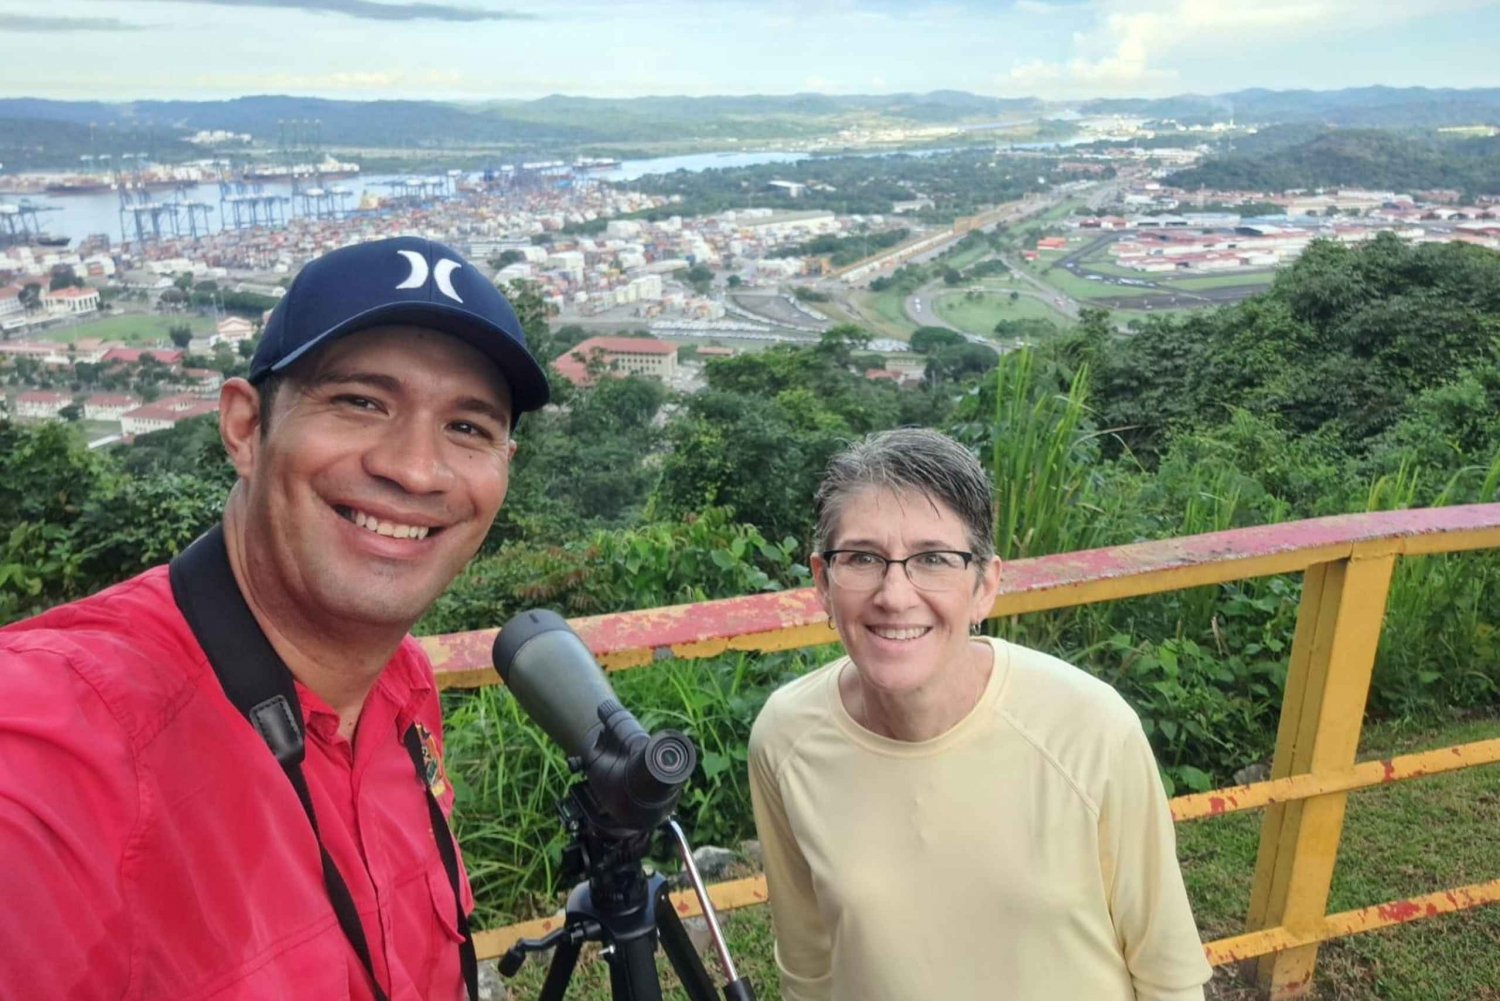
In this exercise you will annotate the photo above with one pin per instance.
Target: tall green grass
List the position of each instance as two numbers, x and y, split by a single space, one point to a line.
508 776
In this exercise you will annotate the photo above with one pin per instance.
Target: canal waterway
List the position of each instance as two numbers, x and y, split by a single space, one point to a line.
76 216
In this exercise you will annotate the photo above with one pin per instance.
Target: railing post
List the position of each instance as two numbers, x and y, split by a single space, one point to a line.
1328 681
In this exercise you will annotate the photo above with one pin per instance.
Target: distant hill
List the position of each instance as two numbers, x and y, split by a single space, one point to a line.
1301 157
1376 107
550 121
30 136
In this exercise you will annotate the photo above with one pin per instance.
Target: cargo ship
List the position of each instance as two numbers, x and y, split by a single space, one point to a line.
84 184
329 168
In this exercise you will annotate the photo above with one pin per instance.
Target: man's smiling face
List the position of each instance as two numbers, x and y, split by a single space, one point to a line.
383 463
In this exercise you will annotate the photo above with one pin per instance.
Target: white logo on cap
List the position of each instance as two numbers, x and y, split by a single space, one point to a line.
442 274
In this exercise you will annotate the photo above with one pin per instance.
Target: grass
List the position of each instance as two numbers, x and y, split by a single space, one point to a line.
960 259
979 316
1410 838
1061 210
131 329
1260 279
885 311
1083 289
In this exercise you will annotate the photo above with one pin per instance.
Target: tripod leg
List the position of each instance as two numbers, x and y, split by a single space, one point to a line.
679 949
564 958
632 969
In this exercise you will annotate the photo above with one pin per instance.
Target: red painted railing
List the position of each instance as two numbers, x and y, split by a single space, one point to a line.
1347 563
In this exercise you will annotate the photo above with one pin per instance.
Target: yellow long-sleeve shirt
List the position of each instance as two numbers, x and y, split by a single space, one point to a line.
1027 854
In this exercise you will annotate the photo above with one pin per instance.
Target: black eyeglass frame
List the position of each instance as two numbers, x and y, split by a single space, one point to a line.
828 555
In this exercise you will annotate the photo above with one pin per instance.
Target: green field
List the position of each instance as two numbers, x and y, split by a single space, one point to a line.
1083 289
960 259
1409 838
884 311
1059 211
1259 278
131 329
979 316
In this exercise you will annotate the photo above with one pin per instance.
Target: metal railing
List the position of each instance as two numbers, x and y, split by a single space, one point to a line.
1346 561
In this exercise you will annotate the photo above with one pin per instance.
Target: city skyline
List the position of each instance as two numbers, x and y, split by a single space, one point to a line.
524 49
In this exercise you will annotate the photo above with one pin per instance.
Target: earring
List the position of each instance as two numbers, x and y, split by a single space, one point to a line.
974 628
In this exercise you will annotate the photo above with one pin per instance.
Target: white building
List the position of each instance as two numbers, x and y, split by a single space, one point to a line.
71 301
232 330
165 413
625 355
40 404
10 302
108 407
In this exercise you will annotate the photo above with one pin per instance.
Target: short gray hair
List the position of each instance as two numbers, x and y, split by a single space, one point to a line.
910 459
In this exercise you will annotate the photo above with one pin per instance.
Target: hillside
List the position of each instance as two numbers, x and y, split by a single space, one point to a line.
1297 157
569 123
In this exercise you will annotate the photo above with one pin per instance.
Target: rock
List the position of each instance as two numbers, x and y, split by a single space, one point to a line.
1250 774
697 929
713 862
491 984
750 851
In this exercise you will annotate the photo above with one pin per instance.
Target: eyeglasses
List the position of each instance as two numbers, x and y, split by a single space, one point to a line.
936 570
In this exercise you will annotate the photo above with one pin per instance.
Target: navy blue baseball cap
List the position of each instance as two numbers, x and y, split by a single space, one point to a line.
405 280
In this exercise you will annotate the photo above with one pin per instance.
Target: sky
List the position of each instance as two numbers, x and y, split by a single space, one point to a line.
523 49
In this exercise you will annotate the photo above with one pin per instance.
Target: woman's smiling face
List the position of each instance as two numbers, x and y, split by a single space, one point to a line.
903 639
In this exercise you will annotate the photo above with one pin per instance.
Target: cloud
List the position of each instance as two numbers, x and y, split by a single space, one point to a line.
375 11
1129 47
27 22
359 82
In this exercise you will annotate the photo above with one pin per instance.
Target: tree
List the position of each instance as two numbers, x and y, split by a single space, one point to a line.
506 258
532 310
1015 296
699 277
734 281
181 335
31 296
927 339
73 412
952 276
63 277
959 361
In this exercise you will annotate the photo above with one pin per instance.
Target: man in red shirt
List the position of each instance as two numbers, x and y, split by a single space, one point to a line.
151 845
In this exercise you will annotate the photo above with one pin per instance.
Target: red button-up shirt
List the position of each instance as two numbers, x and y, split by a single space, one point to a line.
152 848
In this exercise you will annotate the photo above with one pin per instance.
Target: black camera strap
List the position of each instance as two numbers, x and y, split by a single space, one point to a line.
258 683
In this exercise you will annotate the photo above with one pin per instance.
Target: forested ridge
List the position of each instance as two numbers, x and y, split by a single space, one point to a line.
1366 378
1290 157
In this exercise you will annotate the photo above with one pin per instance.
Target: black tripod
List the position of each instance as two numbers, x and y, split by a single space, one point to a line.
622 908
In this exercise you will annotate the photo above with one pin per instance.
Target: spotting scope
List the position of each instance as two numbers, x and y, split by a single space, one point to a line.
634 778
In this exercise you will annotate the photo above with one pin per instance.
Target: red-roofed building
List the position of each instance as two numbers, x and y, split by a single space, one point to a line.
204 378
39 403
129 356
618 355
71 300
164 413
108 406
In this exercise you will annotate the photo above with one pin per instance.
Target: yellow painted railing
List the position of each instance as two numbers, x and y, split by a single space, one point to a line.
1346 562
